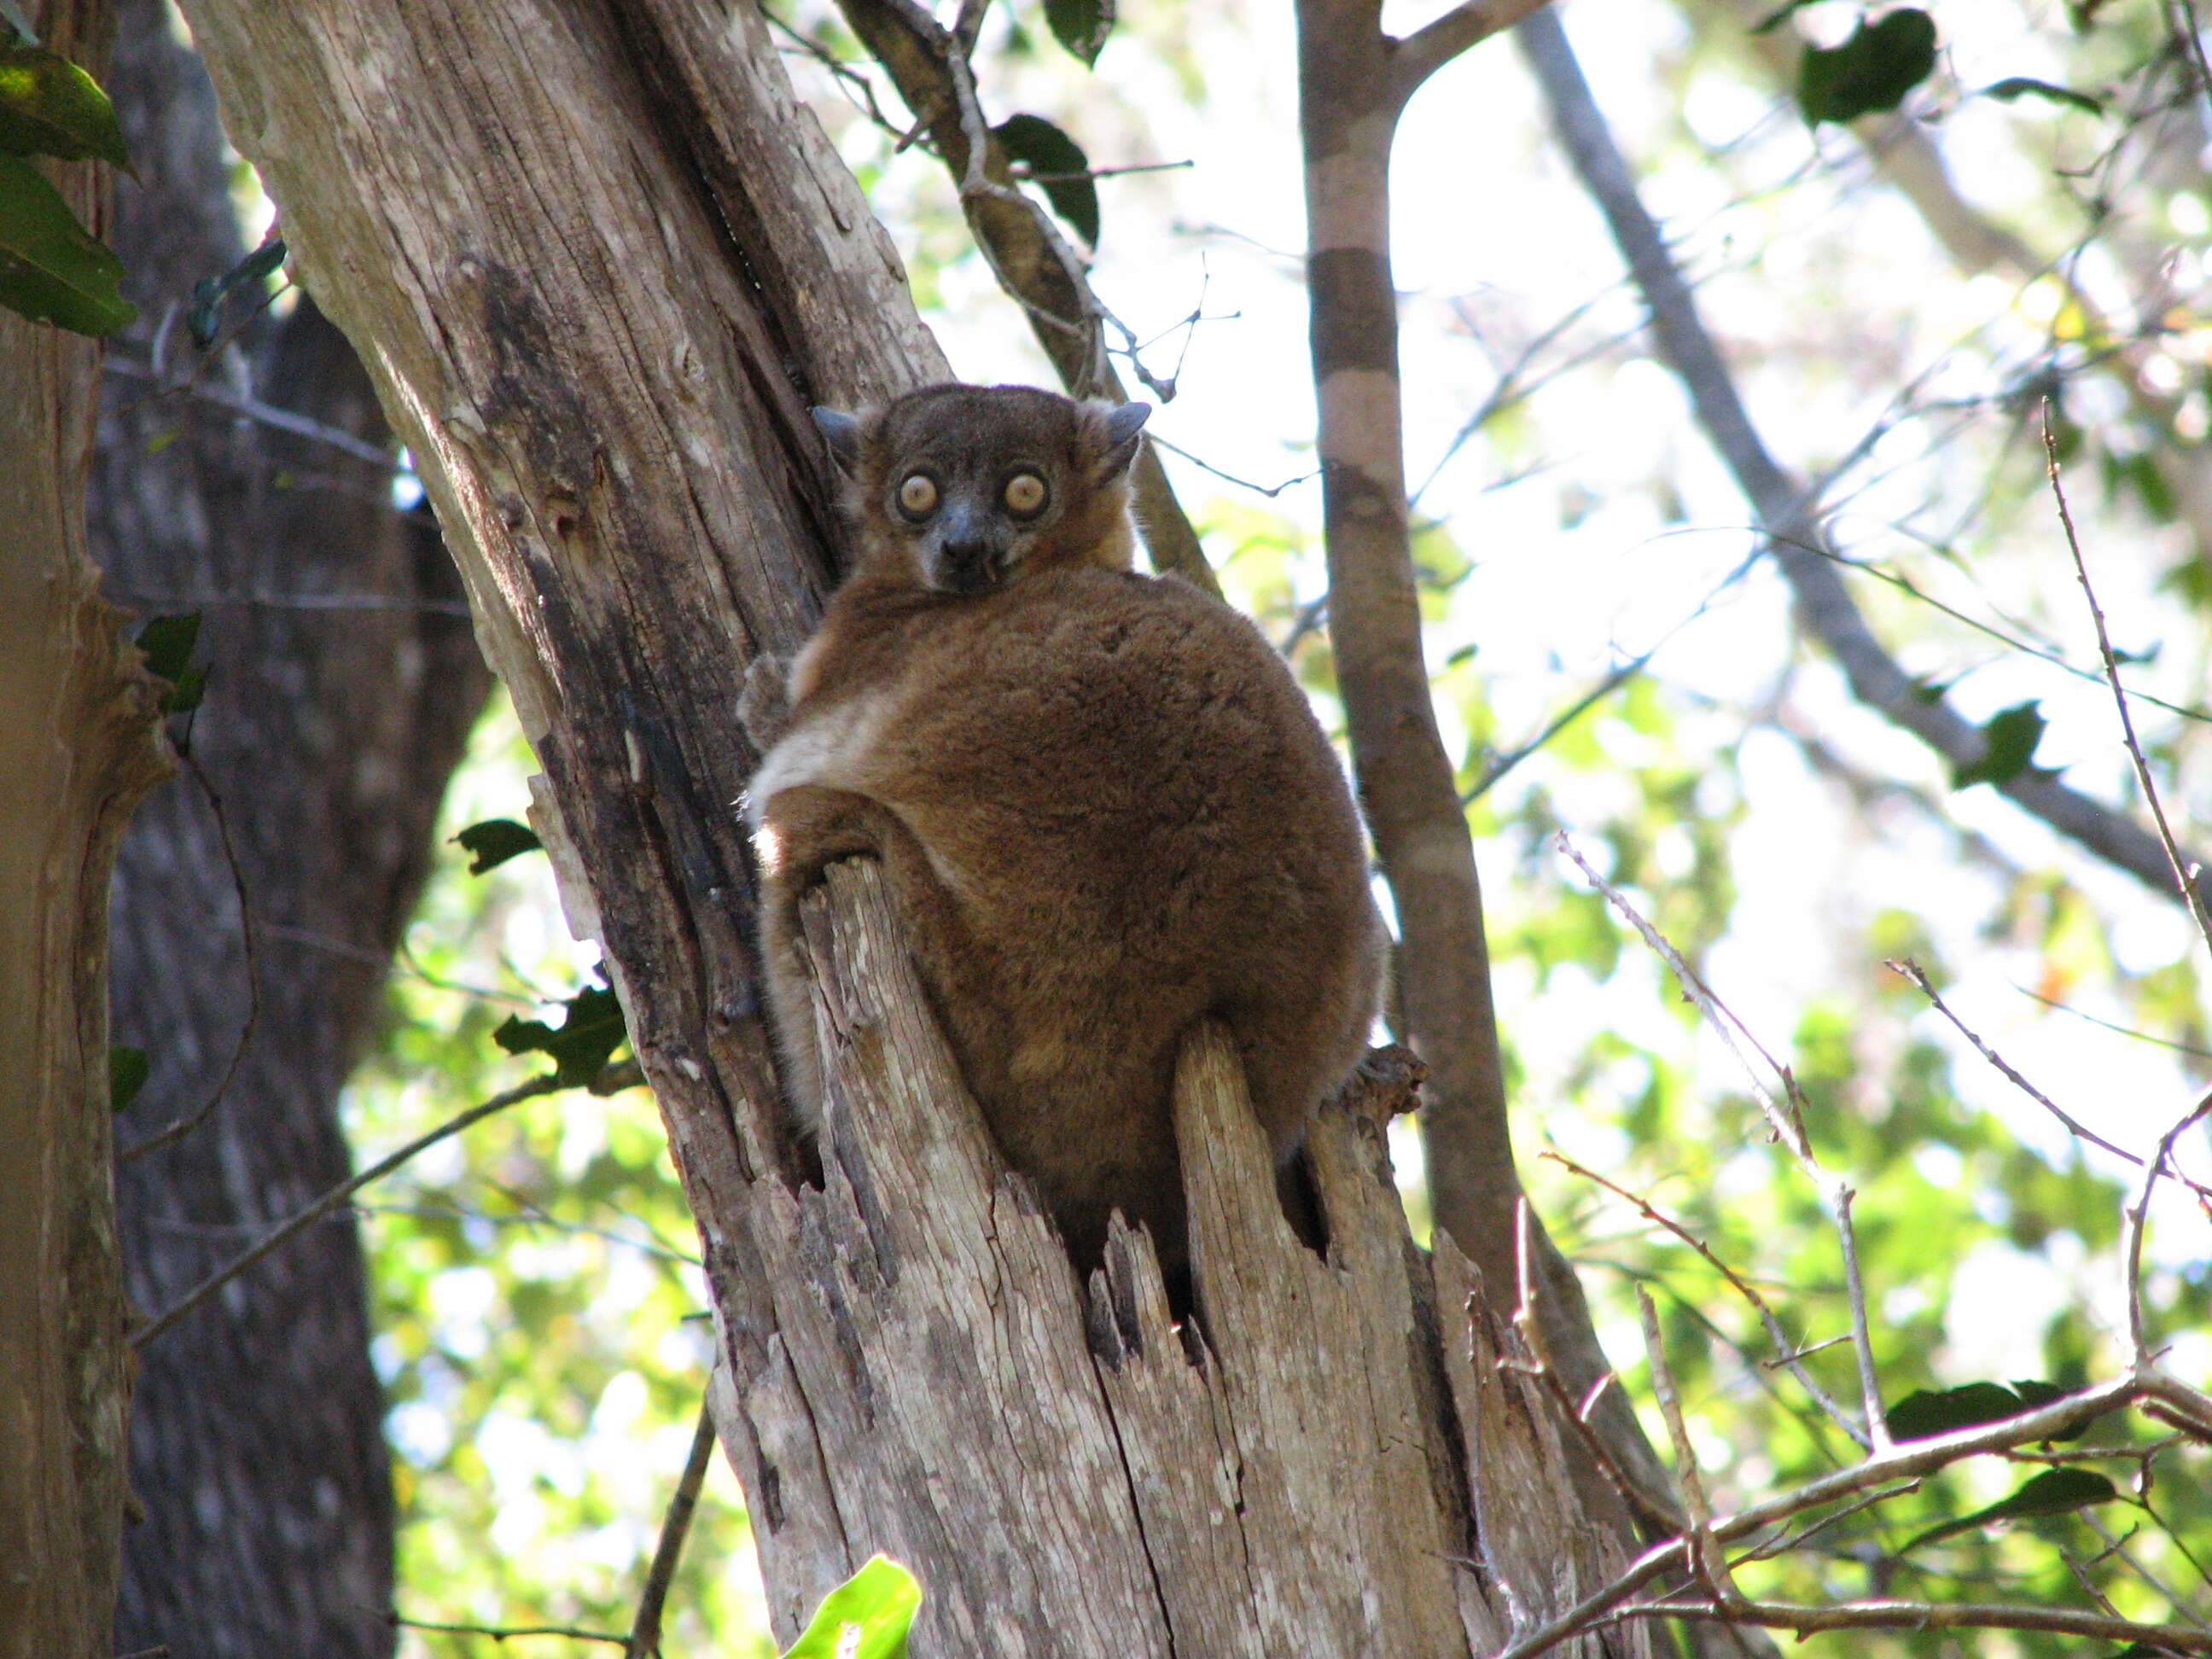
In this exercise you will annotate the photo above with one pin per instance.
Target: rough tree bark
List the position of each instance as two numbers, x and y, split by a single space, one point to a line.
599 263
342 683
77 750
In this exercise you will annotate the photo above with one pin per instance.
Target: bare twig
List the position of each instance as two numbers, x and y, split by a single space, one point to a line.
1707 1565
1269 490
1785 1540
177 1131
2138 1217
1877 1421
1902 1462
2184 871
1923 1616
2113 1026
1786 1119
1655 1509
503 1633
2117 1546
283 420
1912 971
1789 1355
614 1077
675 1527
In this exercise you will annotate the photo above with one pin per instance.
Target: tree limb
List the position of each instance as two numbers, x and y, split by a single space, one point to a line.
1787 512
1435 43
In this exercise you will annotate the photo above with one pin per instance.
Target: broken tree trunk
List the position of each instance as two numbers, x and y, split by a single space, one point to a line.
600 263
1335 1465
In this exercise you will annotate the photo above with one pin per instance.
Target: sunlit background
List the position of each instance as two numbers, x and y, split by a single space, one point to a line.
540 1314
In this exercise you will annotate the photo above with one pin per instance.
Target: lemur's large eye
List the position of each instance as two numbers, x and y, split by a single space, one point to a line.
1025 495
917 496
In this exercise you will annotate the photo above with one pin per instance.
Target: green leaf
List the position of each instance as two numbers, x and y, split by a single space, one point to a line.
2008 739
204 316
496 841
52 268
1873 71
1081 25
866 1617
49 106
127 1075
168 643
1925 1413
1045 149
591 1031
2054 1492
2020 85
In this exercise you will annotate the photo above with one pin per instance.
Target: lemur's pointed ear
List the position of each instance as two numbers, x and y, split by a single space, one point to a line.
844 432
1122 426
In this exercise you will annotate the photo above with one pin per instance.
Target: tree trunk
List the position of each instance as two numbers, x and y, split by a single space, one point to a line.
77 750
599 263
343 684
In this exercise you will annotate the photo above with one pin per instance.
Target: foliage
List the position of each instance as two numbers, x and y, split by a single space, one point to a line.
51 268
866 1617
541 1319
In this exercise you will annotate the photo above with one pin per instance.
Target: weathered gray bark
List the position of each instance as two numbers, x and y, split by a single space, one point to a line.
599 264
342 683
77 750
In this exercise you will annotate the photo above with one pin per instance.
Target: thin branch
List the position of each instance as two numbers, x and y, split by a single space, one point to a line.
139 598
1785 1541
614 1077
1925 1615
675 1527
1706 1563
2118 1547
1903 1463
1877 1420
2010 641
1655 1509
1027 177
177 1131
1430 48
300 426
2138 1219
1789 1355
502 1632
1911 970
1788 514
1269 490
1787 1121
2184 871
2113 1026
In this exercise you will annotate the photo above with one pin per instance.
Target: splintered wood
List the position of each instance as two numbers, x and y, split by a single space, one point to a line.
1329 1459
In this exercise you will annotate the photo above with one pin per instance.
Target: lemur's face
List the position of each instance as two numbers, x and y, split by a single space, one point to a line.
980 486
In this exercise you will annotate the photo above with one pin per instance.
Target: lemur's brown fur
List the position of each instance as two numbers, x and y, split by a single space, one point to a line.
1103 806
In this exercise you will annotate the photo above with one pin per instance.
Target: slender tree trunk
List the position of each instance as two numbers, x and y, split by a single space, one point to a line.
77 750
599 264
342 683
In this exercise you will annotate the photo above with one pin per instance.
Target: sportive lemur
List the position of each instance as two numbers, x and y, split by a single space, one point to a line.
1103 806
